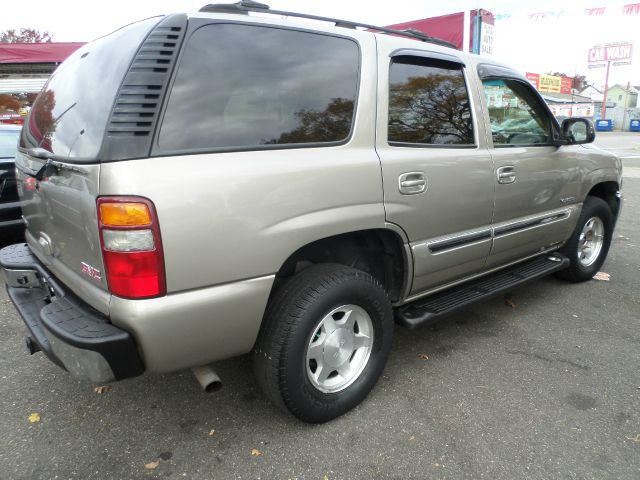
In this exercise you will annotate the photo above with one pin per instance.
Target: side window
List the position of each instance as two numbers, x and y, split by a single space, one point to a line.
242 86
515 113
428 103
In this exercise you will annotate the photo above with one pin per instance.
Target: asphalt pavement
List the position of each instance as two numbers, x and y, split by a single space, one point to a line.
541 383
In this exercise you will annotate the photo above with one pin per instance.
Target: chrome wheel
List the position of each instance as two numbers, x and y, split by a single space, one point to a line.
590 241
339 348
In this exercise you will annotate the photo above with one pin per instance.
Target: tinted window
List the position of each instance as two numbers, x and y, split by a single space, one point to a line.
246 86
69 116
428 103
517 117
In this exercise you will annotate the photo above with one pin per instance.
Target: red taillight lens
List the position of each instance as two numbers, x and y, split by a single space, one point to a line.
131 247
133 274
30 184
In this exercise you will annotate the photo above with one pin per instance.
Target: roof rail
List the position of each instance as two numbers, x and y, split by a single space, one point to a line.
245 6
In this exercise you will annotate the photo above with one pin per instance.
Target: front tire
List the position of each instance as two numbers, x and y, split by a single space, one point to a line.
324 341
589 243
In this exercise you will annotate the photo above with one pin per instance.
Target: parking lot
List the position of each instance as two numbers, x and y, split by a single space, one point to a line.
541 383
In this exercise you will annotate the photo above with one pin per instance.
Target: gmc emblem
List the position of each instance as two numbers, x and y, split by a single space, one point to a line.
89 270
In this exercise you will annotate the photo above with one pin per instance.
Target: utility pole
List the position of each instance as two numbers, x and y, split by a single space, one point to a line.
604 96
626 103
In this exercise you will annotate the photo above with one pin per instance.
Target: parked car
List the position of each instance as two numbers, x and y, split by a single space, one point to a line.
11 223
258 184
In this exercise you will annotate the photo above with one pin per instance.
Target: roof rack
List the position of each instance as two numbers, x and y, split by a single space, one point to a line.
246 6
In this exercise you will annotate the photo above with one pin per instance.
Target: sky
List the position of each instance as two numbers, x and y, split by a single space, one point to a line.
539 37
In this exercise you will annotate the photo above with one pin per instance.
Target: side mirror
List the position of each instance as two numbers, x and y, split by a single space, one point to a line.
578 130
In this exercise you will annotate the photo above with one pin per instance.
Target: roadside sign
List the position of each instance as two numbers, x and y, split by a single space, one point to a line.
610 52
597 65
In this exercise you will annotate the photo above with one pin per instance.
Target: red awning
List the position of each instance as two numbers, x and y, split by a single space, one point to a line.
36 52
446 27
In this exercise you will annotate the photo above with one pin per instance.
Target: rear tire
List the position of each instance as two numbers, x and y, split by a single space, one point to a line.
324 341
589 243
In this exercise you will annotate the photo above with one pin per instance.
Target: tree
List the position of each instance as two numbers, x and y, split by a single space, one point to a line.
9 102
26 35
579 82
331 124
431 110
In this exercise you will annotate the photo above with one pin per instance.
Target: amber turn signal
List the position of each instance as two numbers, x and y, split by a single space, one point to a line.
124 214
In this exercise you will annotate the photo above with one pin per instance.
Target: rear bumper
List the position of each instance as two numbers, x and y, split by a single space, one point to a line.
72 334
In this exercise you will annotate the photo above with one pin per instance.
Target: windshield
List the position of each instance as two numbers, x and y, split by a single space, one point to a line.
70 115
8 142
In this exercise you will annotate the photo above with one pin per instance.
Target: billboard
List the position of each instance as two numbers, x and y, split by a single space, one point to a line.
550 83
610 52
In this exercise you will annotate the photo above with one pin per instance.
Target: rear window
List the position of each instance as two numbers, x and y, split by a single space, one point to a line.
242 86
428 103
70 115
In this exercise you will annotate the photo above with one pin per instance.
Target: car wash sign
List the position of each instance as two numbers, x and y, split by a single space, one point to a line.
611 52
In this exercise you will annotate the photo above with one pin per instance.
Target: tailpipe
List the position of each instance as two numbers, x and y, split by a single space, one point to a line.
208 378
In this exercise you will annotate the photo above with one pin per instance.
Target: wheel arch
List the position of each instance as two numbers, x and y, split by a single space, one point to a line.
609 192
381 252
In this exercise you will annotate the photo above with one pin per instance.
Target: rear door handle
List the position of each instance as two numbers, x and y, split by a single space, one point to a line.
411 183
506 174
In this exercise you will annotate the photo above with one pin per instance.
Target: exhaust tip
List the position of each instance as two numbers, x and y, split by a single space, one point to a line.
208 378
213 386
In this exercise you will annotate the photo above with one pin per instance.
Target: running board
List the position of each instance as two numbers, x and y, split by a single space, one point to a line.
431 308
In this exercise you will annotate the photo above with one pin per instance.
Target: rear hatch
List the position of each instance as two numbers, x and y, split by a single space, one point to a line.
58 161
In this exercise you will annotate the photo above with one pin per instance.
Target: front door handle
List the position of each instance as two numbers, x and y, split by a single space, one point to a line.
411 183
506 174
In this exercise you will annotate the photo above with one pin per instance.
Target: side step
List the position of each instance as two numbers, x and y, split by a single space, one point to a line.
431 308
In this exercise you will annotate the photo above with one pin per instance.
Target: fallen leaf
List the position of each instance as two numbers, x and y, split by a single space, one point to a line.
423 356
635 440
34 418
605 277
152 465
325 478
412 438
211 432
102 389
255 452
509 303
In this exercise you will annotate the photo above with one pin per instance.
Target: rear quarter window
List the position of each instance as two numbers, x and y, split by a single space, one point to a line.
251 87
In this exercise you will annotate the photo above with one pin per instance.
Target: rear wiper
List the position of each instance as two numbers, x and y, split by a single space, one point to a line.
45 155
40 153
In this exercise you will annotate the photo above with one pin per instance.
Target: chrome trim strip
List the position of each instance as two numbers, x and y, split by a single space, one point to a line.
459 240
524 224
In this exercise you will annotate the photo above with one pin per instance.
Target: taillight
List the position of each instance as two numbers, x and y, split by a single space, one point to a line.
131 247
29 184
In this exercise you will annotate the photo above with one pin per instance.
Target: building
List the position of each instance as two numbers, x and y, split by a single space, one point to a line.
622 96
570 105
25 67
